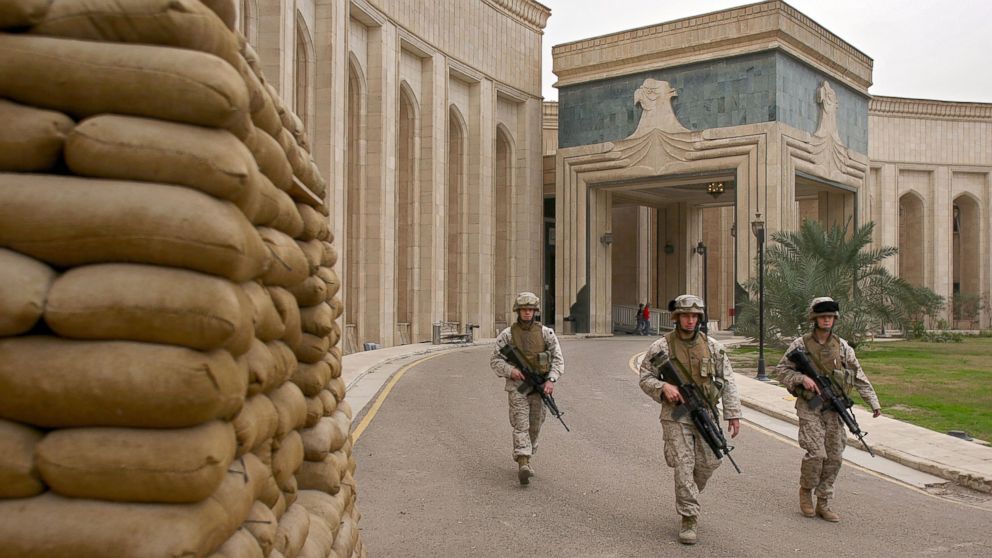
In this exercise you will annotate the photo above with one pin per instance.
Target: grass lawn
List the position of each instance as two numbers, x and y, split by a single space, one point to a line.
940 386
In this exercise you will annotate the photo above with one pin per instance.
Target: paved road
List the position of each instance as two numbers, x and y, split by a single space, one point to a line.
436 478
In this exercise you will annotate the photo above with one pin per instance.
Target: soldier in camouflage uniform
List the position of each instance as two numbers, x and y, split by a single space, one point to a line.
705 361
541 350
821 432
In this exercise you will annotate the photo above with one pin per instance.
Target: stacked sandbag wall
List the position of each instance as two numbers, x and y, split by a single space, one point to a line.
169 361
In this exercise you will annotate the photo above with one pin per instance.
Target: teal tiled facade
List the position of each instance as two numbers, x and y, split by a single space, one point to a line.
761 87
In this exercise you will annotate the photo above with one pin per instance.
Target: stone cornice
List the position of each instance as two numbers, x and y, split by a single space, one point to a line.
549 115
533 14
733 32
930 109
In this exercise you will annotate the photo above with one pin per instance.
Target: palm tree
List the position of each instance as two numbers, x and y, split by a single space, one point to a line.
812 262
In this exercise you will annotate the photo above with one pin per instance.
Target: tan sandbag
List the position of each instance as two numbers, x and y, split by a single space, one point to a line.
210 160
331 278
226 10
323 475
337 387
315 182
15 14
270 495
31 139
262 524
73 221
314 253
337 307
330 402
270 158
141 80
319 541
261 367
256 423
342 429
290 313
309 292
330 256
285 362
311 378
287 456
266 118
289 264
24 286
345 408
292 531
315 410
317 320
269 204
185 24
279 508
267 322
315 225
344 542
287 219
182 465
146 303
312 348
241 545
291 408
19 477
326 437
52 382
334 335
322 505
335 364
289 490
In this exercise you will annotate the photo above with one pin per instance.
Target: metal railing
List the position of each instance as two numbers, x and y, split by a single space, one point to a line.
625 319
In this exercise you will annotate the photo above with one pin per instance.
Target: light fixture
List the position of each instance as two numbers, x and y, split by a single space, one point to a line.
715 189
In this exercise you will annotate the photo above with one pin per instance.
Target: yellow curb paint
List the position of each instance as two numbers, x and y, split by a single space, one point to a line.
357 433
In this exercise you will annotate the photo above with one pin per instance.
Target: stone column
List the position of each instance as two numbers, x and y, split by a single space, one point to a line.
941 257
888 225
643 259
434 131
478 249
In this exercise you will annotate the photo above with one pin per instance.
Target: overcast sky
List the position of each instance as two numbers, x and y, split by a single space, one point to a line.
925 49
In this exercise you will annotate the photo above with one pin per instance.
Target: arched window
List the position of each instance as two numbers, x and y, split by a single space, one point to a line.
304 70
455 257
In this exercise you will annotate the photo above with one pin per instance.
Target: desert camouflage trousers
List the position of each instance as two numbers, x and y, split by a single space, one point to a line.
526 417
693 461
822 436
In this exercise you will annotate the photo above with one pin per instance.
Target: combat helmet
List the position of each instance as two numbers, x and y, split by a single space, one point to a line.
823 306
686 304
526 300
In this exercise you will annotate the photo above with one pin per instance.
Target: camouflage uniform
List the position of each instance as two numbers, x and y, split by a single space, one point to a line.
821 432
685 451
527 411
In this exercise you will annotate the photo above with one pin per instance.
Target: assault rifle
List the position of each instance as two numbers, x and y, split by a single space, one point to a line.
533 382
702 413
830 394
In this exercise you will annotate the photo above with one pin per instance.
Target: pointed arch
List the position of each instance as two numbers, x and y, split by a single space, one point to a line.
504 172
248 20
456 176
354 187
966 229
407 203
303 74
912 211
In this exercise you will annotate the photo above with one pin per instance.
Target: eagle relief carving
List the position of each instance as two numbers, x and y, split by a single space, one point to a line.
655 99
826 147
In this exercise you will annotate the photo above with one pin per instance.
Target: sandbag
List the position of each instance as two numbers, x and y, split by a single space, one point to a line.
291 408
287 456
210 160
141 80
261 367
287 218
347 536
315 410
334 335
137 465
311 378
267 322
22 13
315 225
52 382
256 423
270 495
323 475
330 256
241 545
185 24
312 348
285 362
337 387
309 292
270 158
319 541
250 477
313 251
289 265
289 311
146 303
330 402
74 221
24 286
19 477
327 436
292 531
317 320
322 505
31 139
337 307
335 364
331 278
266 118
262 524
226 10
345 408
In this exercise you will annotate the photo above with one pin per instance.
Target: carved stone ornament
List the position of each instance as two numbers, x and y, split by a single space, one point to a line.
655 99
826 150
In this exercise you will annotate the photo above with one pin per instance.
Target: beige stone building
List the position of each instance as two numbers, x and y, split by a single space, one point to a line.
670 140
426 118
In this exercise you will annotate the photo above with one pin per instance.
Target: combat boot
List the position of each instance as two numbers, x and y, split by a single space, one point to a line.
524 471
806 502
687 534
823 510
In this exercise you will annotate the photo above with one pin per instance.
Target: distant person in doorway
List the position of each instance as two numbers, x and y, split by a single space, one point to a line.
646 321
640 319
